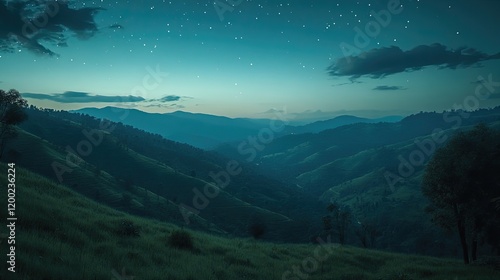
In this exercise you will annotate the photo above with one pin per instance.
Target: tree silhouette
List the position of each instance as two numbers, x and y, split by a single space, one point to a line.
11 113
460 181
257 229
338 220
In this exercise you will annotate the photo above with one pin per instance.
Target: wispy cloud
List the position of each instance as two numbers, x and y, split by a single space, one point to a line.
170 106
388 88
168 98
82 97
273 111
378 63
168 101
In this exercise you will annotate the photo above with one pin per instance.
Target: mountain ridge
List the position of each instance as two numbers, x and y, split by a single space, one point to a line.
209 131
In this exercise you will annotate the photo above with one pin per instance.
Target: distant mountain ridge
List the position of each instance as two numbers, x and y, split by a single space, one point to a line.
209 131
319 126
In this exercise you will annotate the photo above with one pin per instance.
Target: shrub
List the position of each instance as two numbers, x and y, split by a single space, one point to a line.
181 239
127 228
257 230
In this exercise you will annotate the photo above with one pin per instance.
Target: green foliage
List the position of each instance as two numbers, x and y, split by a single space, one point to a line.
460 181
181 239
12 113
11 107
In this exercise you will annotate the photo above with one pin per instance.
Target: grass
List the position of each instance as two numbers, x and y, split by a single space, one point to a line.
62 235
164 185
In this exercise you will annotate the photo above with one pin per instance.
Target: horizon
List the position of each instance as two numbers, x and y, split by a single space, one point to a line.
364 59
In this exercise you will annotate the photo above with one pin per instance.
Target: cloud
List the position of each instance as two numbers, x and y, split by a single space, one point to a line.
378 63
33 24
170 106
169 98
82 97
387 88
273 111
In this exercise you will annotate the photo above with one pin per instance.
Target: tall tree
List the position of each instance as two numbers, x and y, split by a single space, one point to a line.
11 113
460 181
338 220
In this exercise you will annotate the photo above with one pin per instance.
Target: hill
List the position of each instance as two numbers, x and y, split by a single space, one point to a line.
283 192
199 130
319 126
63 235
145 174
375 170
208 131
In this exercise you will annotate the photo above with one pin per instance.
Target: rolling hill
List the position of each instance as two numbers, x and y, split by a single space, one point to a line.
63 235
199 130
209 131
284 191
359 165
145 174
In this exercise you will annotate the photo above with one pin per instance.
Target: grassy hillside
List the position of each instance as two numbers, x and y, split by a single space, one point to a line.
348 165
153 189
63 235
63 129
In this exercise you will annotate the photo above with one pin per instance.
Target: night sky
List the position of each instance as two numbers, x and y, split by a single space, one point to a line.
250 58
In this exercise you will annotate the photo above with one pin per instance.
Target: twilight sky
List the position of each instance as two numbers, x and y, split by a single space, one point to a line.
248 58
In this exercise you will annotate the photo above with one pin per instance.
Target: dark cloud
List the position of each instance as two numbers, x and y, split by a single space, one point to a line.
387 88
34 23
169 98
82 97
378 63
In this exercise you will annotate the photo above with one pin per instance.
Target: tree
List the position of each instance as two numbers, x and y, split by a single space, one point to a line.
367 233
460 182
11 113
338 220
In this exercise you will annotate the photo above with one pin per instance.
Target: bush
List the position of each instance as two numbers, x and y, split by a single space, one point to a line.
181 239
257 230
127 228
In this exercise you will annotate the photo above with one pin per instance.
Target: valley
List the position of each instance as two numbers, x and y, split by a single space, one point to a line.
284 189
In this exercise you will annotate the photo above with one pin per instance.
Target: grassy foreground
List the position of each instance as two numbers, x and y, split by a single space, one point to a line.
63 235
